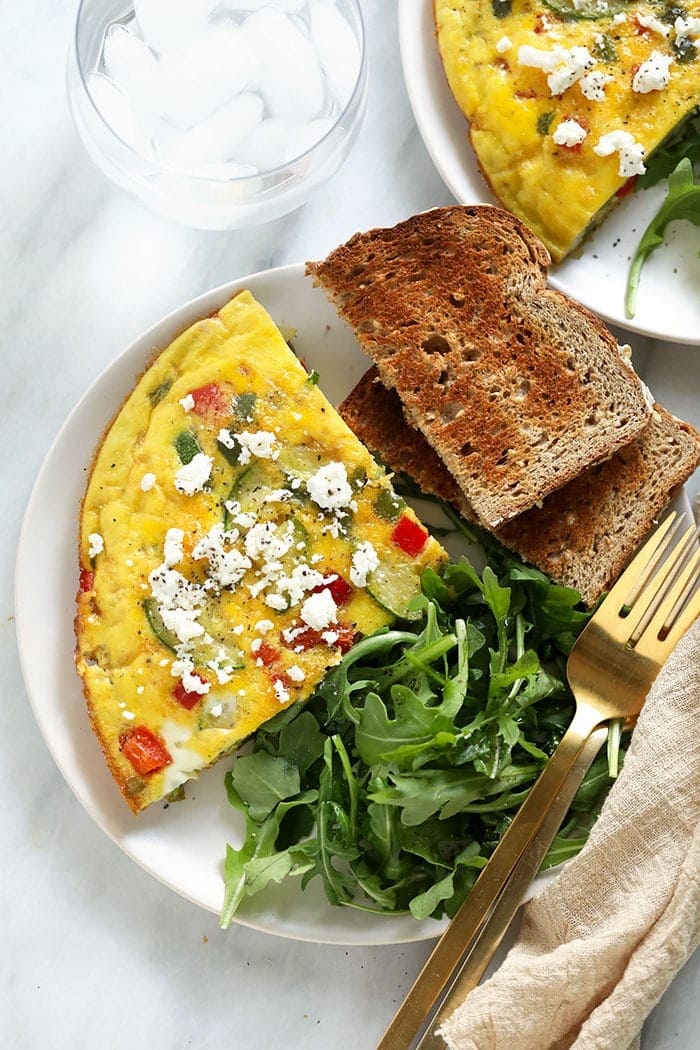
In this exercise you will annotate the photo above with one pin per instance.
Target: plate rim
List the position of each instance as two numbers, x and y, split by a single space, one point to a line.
411 14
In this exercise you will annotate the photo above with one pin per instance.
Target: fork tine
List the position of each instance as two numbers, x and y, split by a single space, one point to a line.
680 609
651 597
653 562
642 565
684 622
666 618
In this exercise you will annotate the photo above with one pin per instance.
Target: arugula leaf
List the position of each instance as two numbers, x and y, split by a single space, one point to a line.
244 872
444 791
425 904
302 741
262 780
682 203
681 144
378 735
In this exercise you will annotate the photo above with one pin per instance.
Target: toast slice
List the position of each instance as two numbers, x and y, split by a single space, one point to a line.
583 534
515 386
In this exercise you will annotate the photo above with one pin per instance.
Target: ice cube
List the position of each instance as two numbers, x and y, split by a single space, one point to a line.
288 74
198 78
215 140
275 143
166 26
114 107
292 7
336 46
307 135
268 146
133 67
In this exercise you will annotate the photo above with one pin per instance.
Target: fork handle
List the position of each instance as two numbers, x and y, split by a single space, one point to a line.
472 969
429 988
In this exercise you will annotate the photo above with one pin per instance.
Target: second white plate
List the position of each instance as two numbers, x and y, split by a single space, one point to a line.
668 304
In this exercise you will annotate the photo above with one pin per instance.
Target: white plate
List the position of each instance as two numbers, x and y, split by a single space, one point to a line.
668 305
182 846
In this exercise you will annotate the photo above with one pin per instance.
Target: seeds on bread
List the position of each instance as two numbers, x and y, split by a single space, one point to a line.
516 387
583 534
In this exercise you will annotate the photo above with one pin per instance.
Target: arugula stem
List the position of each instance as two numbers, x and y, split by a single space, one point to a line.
519 651
350 779
428 654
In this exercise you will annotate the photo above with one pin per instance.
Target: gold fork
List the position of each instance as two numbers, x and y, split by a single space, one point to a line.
610 670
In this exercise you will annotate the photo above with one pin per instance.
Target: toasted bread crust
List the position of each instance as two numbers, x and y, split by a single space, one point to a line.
583 535
515 386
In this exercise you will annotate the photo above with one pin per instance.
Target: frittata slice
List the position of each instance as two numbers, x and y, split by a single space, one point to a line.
566 99
235 539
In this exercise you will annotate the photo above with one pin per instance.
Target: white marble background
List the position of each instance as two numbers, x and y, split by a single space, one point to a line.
93 952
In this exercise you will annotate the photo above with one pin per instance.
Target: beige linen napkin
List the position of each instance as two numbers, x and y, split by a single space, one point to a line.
599 947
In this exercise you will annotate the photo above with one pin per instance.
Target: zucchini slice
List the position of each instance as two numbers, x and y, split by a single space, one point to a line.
155 622
393 585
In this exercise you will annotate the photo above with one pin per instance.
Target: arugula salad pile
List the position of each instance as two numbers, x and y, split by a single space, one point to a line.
395 781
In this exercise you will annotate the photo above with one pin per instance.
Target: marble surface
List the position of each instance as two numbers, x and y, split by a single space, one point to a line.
94 952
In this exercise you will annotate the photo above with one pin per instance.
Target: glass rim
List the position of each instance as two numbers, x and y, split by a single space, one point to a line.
238 179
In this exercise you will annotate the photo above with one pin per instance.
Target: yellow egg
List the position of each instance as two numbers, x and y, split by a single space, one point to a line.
514 108
235 539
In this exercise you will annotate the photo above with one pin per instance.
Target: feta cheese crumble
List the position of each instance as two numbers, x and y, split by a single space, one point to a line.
173 547
593 85
147 482
295 673
685 28
97 544
264 626
564 66
193 476
652 75
226 438
631 153
653 23
319 610
503 45
329 487
187 402
262 444
364 561
280 692
183 668
227 566
569 133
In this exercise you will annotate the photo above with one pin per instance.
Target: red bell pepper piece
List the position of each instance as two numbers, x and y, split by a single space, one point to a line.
627 187
268 654
340 589
409 536
87 580
209 400
146 751
187 699
309 639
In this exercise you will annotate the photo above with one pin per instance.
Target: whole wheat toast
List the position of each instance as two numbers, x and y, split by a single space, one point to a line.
584 533
515 386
